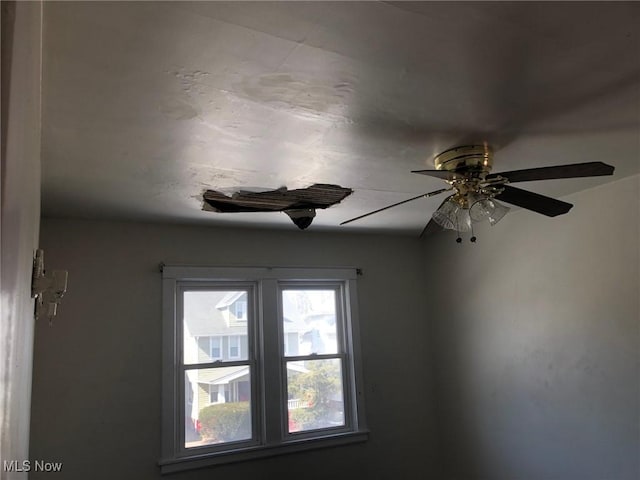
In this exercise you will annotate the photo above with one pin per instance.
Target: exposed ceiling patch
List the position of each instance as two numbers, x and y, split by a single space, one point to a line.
300 204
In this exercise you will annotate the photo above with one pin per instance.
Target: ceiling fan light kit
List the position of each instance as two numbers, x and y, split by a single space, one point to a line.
467 170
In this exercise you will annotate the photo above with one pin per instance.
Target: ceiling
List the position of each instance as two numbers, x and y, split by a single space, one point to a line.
146 105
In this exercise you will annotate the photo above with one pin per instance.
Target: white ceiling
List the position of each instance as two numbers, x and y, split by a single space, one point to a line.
146 105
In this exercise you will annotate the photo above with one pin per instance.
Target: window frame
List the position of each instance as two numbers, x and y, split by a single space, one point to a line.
270 435
340 354
181 367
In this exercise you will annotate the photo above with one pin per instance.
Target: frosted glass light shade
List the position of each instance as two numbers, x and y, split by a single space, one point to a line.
452 216
487 209
445 216
463 220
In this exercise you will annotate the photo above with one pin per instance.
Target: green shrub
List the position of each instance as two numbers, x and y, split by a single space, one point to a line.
319 388
226 422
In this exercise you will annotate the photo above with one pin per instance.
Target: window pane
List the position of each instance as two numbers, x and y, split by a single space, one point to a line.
311 316
215 326
315 394
217 405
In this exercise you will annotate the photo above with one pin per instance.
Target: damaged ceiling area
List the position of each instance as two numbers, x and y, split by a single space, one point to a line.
300 204
149 105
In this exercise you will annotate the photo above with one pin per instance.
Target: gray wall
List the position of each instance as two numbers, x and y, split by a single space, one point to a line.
96 391
20 175
536 342
529 339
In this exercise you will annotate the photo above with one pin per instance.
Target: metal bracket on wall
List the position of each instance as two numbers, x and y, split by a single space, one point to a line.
47 288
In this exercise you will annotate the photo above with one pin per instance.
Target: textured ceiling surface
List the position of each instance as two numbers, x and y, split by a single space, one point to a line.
147 105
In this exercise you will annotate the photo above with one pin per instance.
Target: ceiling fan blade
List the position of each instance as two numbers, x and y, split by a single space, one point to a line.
443 174
589 169
424 195
533 201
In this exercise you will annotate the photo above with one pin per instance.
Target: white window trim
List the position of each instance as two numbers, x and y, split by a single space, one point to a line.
272 437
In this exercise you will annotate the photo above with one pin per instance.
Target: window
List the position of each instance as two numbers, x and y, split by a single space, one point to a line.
215 348
234 346
290 376
218 394
240 309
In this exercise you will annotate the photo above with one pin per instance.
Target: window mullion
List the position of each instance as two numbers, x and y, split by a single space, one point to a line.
314 356
272 377
352 344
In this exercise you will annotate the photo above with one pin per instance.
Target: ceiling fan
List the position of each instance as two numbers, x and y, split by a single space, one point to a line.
475 190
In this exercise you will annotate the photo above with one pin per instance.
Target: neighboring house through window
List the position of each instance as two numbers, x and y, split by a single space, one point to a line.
266 360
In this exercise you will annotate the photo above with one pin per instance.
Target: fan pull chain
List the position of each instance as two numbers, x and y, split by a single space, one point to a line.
459 239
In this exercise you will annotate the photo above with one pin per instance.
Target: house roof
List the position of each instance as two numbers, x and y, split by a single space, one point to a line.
219 376
203 317
229 298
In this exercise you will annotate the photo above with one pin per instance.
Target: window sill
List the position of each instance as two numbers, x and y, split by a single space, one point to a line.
175 465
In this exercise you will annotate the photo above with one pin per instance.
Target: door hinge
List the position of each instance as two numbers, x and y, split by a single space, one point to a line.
47 288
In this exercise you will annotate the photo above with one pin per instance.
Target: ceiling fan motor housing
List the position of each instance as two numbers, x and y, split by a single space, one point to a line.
469 165
475 160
